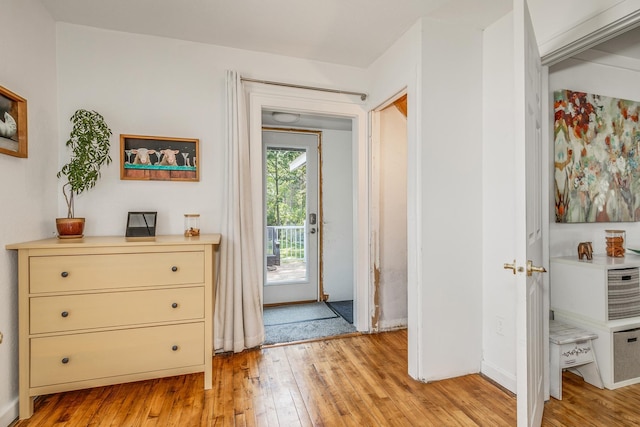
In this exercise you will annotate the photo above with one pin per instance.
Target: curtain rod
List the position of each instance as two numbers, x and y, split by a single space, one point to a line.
363 96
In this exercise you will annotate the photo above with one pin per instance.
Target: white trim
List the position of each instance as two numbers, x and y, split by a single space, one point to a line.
374 206
415 276
618 19
505 379
546 189
290 100
608 59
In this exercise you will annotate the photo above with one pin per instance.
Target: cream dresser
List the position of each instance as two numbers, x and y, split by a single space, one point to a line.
105 310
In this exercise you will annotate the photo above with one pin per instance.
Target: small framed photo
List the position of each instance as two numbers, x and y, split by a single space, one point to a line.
13 124
158 158
141 224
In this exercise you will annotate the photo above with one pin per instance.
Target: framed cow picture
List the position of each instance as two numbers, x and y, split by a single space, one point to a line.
13 124
158 158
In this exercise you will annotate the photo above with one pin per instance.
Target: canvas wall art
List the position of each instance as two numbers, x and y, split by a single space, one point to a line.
596 164
157 158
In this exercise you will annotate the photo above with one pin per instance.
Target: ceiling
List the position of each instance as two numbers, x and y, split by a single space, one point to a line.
348 32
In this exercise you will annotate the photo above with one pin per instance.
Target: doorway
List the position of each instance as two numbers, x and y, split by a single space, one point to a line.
389 214
292 216
350 237
288 159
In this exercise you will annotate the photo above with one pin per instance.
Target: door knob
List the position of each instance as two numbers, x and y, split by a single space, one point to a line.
531 268
508 266
312 231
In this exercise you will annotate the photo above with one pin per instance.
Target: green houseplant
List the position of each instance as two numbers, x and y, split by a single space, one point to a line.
89 142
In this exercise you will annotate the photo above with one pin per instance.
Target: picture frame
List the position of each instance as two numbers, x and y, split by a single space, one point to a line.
13 124
159 158
141 224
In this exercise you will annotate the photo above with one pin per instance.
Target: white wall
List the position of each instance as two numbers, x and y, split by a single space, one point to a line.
444 93
29 191
397 69
337 215
393 219
163 87
451 197
608 80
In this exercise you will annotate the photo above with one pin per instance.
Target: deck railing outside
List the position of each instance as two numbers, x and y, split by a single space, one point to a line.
292 241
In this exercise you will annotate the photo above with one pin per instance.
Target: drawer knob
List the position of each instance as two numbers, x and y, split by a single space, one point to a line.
174 305
174 348
174 268
64 313
65 360
64 274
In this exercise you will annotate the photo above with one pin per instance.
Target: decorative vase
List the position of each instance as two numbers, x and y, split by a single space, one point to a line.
70 228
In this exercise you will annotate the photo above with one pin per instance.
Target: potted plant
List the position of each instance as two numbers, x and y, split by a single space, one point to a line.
89 144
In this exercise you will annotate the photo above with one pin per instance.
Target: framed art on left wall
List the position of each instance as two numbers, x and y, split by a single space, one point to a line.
13 124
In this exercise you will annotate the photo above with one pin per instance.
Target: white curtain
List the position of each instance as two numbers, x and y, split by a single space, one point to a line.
238 323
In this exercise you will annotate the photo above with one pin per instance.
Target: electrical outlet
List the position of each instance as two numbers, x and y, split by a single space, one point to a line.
499 325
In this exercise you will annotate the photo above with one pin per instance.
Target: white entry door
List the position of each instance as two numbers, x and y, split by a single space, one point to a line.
292 232
528 213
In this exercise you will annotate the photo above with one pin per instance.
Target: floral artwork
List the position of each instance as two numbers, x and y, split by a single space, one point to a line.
597 143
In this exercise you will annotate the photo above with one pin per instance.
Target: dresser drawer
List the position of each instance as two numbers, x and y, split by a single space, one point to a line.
73 312
111 271
69 358
575 354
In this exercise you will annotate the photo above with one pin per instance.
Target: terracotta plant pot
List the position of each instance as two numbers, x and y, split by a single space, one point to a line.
70 228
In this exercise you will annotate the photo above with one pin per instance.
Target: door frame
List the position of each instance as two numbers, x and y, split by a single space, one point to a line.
319 211
375 204
263 97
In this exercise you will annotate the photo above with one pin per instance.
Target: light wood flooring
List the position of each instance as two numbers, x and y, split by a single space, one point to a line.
354 381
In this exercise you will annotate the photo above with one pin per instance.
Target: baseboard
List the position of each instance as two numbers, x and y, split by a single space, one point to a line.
498 375
9 413
390 325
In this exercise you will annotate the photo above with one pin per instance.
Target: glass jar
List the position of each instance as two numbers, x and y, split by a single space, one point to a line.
615 243
191 225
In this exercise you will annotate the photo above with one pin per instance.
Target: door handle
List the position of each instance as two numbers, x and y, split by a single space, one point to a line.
508 266
531 268
312 230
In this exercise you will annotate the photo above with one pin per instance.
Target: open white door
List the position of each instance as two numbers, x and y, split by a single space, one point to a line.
528 213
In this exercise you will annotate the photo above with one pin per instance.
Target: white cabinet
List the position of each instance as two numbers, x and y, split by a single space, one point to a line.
104 310
603 296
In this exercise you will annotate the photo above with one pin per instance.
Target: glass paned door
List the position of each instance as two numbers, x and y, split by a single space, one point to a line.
291 216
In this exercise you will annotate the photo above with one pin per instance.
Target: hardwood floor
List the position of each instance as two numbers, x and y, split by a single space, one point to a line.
355 381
